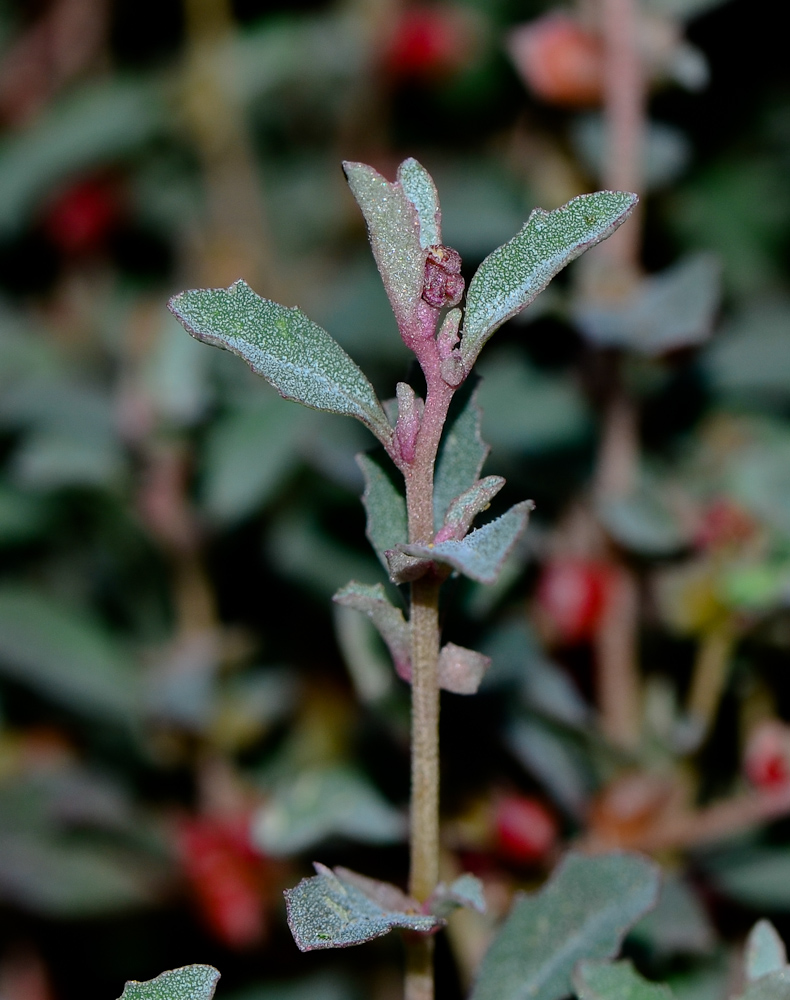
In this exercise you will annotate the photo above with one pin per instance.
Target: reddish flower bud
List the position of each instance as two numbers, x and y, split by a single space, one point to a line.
767 756
525 828
725 525
430 42
558 60
80 219
443 284
572 596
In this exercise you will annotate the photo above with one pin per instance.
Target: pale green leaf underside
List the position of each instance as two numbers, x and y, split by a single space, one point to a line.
419 188
462 453
514 274
394 230
765 951
465 508
299 358
326 911
192 982
583 911
385 506
393 629
482 553
616 981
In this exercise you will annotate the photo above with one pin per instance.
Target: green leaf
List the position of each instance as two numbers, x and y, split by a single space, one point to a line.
192 982
466 890
513 275
65 655
333 801
482 553
465 508
765 951
679 925
394 228
583 911
298 357
330 910
419 188
385 506
21 516
615 981
775 986
557 758
758 877
462 453
393 629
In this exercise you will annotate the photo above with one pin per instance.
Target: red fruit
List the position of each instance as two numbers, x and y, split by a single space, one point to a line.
225 878
79 220
572 594
429 42
526 831
767 757
558 60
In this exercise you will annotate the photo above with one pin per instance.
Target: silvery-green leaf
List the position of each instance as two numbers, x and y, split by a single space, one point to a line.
556 758
330 911
615 981
765 951
192 982
373 602
385 506
333 801
465 508
461 670
667 151
419 188
774 986
462 453
483 552
583 911
667 311
749 357
466 890
394 229
679 925
757 877
513 275
298 357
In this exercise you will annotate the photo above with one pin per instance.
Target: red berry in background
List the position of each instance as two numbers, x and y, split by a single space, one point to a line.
767 756
225 877
429 42
79 220
558 60
724 525
571 597
526 831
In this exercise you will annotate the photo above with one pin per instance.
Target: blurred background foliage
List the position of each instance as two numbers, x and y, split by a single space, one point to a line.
184 717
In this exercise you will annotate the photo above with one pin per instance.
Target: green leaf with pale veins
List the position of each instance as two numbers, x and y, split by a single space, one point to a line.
332 910
299 358
192 982
765 951
393 629
385 506
394 230
514 274
462 453
583 911
615 981
482 554
419 188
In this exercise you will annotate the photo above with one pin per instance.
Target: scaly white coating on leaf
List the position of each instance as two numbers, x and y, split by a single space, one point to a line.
329 911
615 981
299 358
583 911
514 274
385 506
192 982
393 629
465 508
765 951
394 230
483 552
419 188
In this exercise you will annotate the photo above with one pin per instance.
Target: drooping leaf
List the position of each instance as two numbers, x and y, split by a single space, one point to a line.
330 911
394 229
192 982
465 508
583 911
65 655
616 981
483 552
466 890
385 506
419 188
394 630
513 275
667 311
299 358
462 453
765 951
333 801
